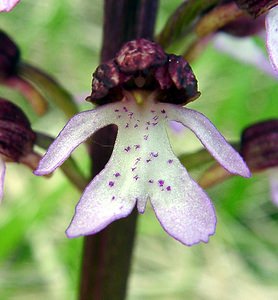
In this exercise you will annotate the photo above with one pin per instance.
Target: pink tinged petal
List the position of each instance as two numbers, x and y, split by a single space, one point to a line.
244 50
185 212
7 5
99 206
271 22
2 177
273 179
76 131
211 138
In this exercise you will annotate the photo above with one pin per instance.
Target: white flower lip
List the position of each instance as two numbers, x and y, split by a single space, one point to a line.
143 166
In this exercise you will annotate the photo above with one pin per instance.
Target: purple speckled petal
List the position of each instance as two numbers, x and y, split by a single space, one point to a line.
2 177
273 179
7 5
271 23
102 203
211 138
244 50
76 131
186 212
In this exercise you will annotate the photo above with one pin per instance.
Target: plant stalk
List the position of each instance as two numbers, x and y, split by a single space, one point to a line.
107 255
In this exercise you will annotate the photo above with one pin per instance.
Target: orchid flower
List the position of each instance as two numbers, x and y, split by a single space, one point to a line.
149 88
7 5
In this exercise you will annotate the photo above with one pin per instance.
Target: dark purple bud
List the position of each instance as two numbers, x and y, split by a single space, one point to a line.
259 145
256 7
16 136
142 64
245 26
9 56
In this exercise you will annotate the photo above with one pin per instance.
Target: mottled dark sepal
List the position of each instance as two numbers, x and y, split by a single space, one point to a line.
16 136
139 55
142 64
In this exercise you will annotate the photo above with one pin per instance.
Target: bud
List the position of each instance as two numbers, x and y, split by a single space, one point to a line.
142 64
16 136
9 56
259 145
16 139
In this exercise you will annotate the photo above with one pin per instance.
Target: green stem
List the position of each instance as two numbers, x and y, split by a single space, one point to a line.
69 167
51 88
180 22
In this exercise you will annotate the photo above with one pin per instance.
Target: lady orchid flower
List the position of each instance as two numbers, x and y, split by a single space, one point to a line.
143 89
7 5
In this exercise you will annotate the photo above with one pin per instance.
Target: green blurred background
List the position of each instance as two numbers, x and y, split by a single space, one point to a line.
37 261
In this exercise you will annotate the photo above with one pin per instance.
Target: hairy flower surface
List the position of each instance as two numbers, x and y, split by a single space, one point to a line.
8 5
143 166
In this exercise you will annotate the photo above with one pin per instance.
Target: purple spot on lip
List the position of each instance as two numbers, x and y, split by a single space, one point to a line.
137 146
133 169
136 125
161 182
126 125
155 118
136 177
154 154
168 188
154 124
148 123
137 160
146 136
148 160
113 198
117 174
150 181
170 161
127 148
111 183
116 110
125 109
163 111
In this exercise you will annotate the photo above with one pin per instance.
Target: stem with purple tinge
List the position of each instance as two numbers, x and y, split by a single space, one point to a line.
107 255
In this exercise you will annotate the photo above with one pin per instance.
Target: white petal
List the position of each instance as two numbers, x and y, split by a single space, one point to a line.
185 211
76 131
100 205
271 22
7 5
143 166
2 177
273 179
244 50
211 138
